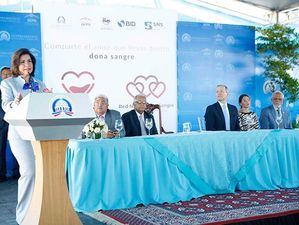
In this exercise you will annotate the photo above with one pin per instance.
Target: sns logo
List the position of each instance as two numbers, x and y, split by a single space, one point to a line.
148 25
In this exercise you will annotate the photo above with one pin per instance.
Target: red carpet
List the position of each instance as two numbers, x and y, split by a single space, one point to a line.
212 209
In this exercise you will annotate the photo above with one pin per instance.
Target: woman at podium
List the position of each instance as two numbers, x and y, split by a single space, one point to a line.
13 89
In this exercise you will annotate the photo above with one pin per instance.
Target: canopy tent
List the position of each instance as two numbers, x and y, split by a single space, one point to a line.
275 5
246 12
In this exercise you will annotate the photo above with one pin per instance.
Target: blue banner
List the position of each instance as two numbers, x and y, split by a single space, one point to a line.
211 54
20 30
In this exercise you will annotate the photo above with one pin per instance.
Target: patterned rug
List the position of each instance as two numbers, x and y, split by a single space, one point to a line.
211 209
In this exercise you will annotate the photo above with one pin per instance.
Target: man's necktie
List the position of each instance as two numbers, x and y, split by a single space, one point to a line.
278 112
143 131
226 117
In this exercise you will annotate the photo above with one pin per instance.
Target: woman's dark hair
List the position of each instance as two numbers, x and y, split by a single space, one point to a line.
15 61
241 97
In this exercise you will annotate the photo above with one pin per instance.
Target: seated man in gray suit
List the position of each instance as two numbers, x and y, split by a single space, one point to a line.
275 116
100 107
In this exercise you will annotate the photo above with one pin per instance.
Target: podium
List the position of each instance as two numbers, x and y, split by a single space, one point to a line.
49 120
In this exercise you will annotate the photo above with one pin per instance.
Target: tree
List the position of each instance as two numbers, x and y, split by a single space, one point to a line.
279 47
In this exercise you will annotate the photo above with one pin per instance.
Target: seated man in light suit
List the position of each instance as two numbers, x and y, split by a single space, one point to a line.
102 112
134 120
221 115
274 115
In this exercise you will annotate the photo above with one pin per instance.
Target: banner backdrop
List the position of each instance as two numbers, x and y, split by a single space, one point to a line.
20 30
264 89
211 54
119 52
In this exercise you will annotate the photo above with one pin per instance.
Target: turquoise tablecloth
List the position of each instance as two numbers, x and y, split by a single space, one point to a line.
120 173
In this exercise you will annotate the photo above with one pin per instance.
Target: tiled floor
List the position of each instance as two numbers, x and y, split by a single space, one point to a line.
8 201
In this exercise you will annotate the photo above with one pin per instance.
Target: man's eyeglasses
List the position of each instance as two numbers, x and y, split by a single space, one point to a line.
140 102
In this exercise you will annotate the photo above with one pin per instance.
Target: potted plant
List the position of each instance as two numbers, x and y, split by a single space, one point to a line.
279 48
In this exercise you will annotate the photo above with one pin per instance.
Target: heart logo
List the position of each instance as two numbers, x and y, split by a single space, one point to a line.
78 83
157 89
134 88
146 85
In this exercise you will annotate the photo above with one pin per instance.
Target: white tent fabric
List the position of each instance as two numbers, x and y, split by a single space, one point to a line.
243 12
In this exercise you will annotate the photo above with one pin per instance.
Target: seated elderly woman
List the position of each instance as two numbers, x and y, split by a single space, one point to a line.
248 120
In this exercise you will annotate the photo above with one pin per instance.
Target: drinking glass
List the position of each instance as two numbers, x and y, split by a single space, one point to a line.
149 124
201 123
186 127
119 126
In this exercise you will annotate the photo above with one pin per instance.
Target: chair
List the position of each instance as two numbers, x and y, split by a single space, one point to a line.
150 109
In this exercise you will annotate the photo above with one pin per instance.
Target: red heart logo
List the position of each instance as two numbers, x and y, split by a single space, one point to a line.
77 83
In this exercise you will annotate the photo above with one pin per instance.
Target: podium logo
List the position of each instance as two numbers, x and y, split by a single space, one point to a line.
61 106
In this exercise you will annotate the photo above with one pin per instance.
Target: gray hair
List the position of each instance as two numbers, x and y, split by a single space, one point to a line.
223 85
4 68
278 92
139 95
103 97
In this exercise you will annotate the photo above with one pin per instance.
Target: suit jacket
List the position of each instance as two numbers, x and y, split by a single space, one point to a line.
110 117
3 123
10 87
215 119
2 113
132 125
268 118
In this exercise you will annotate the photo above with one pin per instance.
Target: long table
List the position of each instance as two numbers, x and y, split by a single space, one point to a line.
121 173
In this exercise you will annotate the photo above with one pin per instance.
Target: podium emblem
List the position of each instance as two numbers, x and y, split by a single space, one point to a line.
61 106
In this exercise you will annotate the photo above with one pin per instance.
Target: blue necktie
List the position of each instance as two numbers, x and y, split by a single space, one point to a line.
226 117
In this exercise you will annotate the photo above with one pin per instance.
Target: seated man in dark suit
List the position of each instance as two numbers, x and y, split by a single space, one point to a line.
275 116
134 120
221 115
102 112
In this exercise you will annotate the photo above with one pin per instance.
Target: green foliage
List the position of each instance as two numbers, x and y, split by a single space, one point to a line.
279 47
